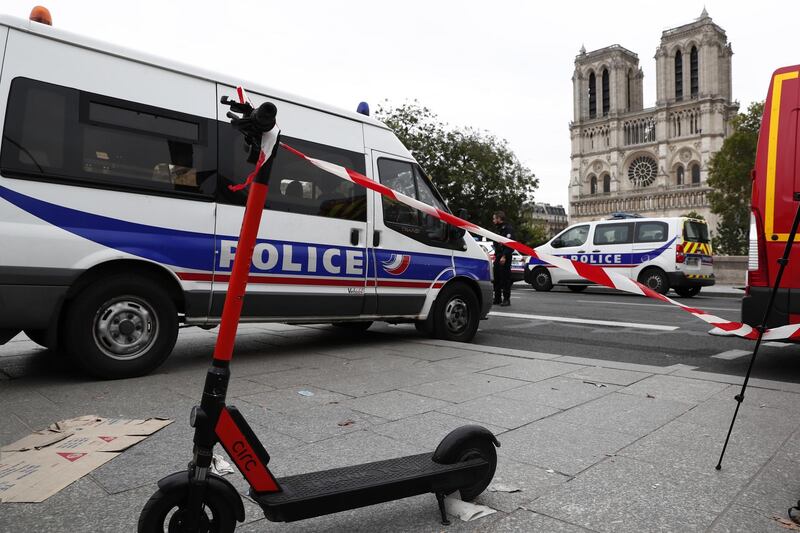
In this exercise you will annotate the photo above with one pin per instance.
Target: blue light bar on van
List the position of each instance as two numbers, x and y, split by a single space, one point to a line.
363 108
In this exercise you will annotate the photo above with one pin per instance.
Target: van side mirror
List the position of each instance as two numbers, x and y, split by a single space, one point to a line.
557 243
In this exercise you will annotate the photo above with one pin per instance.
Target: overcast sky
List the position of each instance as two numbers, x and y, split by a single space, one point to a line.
497 65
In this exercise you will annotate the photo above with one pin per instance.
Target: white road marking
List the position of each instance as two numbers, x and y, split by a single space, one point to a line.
731 354
584 321
776 344
652 305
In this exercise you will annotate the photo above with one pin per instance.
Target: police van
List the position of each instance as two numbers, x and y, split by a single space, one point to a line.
661 253
118 224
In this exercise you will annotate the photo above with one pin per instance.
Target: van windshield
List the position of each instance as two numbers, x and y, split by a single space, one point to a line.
694 231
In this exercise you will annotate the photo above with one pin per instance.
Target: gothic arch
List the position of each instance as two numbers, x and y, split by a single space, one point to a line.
684 155
591 184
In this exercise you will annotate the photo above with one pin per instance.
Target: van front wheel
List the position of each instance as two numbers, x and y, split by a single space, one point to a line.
456 313
121 327
542 280
655 279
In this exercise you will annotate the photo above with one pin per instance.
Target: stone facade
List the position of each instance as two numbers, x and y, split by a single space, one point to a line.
650 161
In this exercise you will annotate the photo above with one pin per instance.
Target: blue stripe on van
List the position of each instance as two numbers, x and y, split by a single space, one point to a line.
612 259
196 251
180 248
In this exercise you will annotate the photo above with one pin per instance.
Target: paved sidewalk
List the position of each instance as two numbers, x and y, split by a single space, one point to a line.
610 448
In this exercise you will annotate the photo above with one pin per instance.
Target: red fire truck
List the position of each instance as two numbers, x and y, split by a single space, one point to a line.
775 200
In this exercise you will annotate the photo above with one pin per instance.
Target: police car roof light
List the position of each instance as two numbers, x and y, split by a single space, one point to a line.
620 215
363 108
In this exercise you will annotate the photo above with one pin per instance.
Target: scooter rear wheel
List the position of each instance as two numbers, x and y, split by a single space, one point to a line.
472 449
166 512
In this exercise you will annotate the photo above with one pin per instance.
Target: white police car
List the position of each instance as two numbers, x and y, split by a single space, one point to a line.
661 253
118 223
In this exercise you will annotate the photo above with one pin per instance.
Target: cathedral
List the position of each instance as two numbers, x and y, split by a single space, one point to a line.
652 161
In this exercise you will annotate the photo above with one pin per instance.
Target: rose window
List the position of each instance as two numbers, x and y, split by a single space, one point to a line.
642 171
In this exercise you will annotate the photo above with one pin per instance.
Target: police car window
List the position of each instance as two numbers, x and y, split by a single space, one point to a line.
408 179
613 233
295 186
59 133
573 237
651 231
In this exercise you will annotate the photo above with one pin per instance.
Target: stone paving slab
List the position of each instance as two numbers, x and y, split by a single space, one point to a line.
533 370
499 411
395 405
674 388
465 388
624 413
622 495
608 375
565 448
558 392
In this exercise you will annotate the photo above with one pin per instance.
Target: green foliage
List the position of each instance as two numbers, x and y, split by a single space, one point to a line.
472 169
694 214
537 232
729 175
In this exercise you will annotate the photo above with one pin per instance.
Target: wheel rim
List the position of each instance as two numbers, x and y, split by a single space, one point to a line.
542 279
654 282
176 523
456 315
125 327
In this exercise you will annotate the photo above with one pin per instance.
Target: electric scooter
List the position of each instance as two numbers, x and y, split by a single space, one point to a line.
196 500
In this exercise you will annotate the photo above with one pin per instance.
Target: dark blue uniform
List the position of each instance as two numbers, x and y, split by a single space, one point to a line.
502 272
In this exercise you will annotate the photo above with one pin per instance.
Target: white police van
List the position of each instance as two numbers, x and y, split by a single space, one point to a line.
117 223
661 253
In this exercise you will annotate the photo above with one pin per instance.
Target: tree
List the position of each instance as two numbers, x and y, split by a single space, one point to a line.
472 169
694 214
729 176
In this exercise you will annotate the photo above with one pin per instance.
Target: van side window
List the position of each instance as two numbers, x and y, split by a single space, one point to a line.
572 237
613 233
408 179
651 232
295 185
62 134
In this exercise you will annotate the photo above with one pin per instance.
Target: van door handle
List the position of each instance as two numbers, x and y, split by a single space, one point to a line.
376 238
595 250
354 236
581 251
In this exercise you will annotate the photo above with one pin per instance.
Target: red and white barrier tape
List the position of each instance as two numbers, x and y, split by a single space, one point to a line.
596 274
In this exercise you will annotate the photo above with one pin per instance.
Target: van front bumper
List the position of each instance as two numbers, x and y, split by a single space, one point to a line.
682 279
487 295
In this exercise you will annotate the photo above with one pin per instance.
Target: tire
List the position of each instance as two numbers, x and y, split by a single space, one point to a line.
353 326
655 279
478 447
541 280
576 288
687 292
456 313
121 327
39 336
157 514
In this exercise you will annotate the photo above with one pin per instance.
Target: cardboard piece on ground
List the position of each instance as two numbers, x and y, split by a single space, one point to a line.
41 464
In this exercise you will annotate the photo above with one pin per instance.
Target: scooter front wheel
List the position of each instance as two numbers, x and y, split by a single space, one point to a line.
473 449
167 512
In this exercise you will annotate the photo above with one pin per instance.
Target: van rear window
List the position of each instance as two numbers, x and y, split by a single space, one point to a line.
60 134
694 231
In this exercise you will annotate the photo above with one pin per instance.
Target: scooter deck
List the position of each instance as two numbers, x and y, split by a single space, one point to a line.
330 491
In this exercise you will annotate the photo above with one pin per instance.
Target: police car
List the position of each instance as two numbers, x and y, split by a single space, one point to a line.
661 253
118 223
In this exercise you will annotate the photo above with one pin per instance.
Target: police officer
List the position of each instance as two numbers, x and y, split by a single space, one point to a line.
502 260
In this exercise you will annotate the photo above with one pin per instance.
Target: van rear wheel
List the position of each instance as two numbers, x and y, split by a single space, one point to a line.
121 327
456 313
687 292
